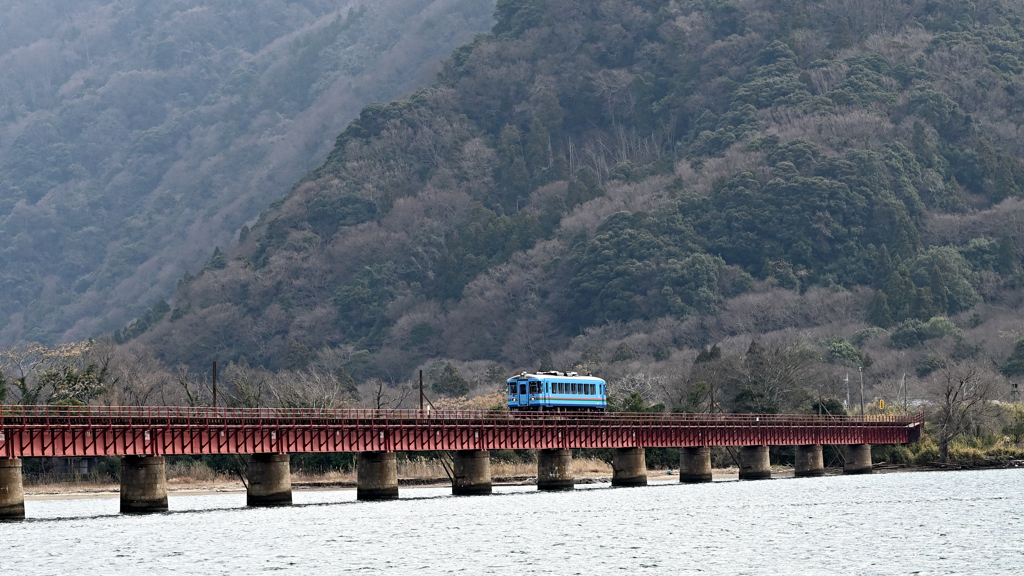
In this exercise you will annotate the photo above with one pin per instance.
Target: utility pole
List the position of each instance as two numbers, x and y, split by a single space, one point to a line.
847 390
904 385
421 390
214 383
861 369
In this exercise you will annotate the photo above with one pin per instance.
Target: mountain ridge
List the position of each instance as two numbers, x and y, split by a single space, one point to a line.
627 180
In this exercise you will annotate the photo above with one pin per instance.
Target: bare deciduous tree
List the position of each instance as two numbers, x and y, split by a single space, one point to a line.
962 393
384 397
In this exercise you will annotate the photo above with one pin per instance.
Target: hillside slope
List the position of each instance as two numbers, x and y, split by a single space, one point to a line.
622 181
136 136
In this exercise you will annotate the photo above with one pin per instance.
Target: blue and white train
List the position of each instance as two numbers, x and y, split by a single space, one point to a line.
556 391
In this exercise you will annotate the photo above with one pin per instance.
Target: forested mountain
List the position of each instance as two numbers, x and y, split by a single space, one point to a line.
135 136
619 185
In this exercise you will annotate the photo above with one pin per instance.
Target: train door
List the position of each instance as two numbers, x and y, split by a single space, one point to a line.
524 394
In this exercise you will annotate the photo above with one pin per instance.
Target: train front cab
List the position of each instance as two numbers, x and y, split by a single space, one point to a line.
519 392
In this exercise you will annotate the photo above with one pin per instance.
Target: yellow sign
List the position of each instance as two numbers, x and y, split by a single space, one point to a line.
881 404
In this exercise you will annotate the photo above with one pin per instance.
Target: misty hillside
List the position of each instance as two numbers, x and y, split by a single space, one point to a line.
136 136
616 185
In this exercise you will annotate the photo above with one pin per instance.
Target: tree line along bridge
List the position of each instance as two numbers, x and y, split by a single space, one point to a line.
142 436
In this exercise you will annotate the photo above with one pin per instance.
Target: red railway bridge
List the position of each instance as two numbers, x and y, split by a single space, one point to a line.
144 435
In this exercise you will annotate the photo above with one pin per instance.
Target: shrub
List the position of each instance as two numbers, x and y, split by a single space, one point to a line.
861 336
913 333
839 350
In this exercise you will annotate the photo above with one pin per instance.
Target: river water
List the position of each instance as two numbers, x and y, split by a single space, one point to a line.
912 523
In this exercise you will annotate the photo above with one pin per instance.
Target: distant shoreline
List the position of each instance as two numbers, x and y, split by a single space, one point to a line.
83 490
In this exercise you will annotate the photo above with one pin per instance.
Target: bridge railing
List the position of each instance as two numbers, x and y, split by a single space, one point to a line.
165 413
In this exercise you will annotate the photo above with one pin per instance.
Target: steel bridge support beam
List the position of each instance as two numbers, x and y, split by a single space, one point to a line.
377 476
472 474
143 484
858 459
629 467
754 463
695 464
808 461
12 492
270 480
554 469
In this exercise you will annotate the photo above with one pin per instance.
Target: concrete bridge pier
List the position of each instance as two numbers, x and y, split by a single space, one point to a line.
808 461
143 484
695 464
629 467
754 463
12 493
472 473
270 480
554 469
377 476
858 459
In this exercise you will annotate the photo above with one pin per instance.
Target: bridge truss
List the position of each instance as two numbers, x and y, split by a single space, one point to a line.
28 431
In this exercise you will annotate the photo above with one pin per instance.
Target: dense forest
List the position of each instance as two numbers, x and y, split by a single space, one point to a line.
136 135
770 199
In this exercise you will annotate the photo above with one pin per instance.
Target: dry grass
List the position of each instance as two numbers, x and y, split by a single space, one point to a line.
195 473
45 485
327 477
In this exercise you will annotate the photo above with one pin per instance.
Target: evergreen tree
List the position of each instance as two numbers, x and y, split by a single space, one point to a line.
518 179
538 147
919 144
346 382
1004 185
883 268
708 355
921 304
1008 261
939 292
296 356
899 292
878 312
949 198
549 112
842 34
450 382
217 261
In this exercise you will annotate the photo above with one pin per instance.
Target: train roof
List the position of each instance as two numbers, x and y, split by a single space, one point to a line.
554 374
